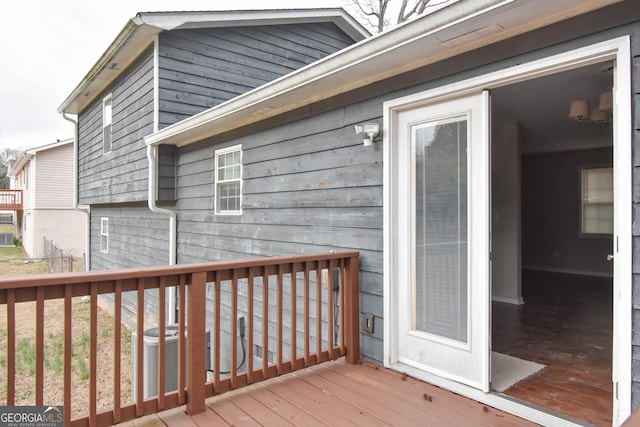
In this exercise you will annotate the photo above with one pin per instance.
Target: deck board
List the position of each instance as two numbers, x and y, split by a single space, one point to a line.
339 394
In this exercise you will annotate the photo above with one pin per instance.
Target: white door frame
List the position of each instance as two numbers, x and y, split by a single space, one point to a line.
618 50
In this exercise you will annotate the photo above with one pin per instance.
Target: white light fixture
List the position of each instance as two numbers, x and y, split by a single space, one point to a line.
606 101
579 110
369 129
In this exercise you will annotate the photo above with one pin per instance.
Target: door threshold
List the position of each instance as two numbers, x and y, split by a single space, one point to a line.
494 399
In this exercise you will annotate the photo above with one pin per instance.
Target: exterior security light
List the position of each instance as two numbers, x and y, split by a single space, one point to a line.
369 129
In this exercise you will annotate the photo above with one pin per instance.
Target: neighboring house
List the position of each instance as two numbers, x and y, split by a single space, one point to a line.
45 175
477 174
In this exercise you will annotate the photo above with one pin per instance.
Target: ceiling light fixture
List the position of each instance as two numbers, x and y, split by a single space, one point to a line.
580 110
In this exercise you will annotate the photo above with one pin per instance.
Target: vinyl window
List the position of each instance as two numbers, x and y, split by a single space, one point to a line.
597 201
107 119
228 176
104 235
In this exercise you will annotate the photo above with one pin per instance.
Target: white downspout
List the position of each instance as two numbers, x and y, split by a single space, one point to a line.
152 156
85 209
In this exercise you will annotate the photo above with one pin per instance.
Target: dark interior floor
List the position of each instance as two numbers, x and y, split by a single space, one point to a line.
566 323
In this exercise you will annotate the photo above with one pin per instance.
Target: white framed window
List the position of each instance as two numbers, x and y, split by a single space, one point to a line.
107 119
228 180
104 235
597 201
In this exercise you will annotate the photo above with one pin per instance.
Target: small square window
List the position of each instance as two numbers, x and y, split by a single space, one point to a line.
228 176
104 235
597 201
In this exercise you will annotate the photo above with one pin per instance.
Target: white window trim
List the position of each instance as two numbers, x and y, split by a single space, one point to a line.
104 235
107 120
218 153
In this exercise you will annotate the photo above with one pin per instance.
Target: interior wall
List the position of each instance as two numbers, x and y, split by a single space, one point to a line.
551 237
505 206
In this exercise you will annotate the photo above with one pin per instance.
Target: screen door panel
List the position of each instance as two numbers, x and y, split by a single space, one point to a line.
443 186
440 286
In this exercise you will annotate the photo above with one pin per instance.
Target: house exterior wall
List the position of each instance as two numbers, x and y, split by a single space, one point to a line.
65 227
47 182
199 69
137 237
54 180
196 70
121 175
310 185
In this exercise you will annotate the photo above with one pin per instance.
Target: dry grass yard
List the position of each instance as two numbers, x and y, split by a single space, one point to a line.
12 264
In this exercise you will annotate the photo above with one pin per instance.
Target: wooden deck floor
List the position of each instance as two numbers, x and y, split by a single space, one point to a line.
337 394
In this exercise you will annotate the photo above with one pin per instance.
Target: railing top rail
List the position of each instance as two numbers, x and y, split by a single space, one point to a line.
18 282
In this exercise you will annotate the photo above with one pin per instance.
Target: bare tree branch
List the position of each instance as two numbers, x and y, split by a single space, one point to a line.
375 12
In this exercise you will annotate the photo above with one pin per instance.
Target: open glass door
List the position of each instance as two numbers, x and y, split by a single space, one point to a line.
443 304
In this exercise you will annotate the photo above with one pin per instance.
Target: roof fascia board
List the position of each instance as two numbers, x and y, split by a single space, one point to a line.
243 18
130 42
451 31
141 31
20 163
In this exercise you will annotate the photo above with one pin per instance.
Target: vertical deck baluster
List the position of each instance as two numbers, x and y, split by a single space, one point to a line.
279 318
249 324
341 299
161 341
39 345
265 323
352 333
216 332
182 377
138 392
306 314
234 329
330 309
68 352
318 312
294 315
93 354
11 347
117 351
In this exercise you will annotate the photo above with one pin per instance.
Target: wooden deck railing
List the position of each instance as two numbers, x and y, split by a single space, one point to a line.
308 304
10 200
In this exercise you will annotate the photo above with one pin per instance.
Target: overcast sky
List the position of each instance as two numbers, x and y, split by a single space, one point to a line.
48 46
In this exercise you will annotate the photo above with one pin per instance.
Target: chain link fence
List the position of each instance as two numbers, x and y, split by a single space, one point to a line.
59 261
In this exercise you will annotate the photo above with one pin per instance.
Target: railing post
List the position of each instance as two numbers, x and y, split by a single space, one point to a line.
352 309
196 375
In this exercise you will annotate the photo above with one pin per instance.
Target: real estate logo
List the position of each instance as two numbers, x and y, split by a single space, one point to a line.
31 416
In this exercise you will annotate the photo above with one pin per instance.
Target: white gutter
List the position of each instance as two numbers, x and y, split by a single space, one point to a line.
152 156
85 209
460 27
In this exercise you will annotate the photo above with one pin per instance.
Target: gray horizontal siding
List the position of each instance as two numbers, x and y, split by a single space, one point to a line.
120 176
308 187
201 68
137 237
636 218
